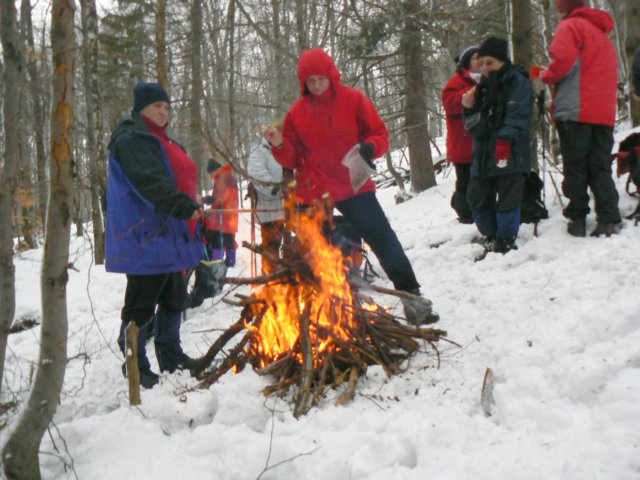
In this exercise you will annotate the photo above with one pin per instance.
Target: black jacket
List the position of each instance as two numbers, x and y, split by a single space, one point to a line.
507 98
140 154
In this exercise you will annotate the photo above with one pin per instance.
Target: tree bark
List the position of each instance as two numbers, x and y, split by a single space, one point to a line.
94 124
631 45
522 32
415 114
231 87
12 57
161 44
197 94
20 453
38 112
301 30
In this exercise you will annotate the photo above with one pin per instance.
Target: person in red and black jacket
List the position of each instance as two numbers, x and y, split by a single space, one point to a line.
584 73
320 129
459 142
222 218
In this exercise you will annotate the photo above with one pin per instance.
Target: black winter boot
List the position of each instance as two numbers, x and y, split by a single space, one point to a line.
604 228
504 245
577 228
171 360
148 378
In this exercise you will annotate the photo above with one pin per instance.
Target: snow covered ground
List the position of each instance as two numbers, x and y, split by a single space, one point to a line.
558 321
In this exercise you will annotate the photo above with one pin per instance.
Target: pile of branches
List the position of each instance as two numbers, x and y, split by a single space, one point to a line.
376 337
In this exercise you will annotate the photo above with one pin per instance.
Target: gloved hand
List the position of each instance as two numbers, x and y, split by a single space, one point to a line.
503 153
634 156
230 257
367 151
209 200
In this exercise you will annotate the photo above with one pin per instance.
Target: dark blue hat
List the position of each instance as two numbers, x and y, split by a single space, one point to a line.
145 93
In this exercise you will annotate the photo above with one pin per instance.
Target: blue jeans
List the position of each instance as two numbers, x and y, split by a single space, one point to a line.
495 204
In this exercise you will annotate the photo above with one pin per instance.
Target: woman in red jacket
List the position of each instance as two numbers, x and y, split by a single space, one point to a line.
321 128
459 142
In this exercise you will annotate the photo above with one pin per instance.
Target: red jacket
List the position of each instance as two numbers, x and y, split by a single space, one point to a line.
184 168
459 142
225 192
584 68
318 131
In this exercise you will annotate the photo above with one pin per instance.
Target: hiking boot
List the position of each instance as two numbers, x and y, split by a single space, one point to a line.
577 228
171 361
504 245
604 228
487 243
148 378
418 311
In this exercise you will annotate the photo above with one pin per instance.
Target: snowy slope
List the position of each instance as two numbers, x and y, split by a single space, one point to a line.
558 321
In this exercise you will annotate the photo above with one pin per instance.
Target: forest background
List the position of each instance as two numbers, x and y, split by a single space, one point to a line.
68 70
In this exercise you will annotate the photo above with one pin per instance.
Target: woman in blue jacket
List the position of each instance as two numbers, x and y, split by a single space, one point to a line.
498 114
151 232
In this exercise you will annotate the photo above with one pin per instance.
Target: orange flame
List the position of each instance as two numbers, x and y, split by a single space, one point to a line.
279 329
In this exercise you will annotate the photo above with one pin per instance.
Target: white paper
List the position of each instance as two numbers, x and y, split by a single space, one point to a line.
359 170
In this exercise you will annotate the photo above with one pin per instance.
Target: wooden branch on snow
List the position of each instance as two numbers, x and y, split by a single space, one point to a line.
133 373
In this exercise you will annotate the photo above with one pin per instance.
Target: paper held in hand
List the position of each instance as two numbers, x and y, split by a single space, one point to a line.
359 171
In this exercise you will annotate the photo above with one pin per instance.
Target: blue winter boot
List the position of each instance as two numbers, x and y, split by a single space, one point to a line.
167 341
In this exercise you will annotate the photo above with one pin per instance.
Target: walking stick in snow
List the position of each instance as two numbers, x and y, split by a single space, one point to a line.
133 374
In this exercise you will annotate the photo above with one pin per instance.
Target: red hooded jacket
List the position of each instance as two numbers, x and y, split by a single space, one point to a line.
225 191
459 142
318 132
584 68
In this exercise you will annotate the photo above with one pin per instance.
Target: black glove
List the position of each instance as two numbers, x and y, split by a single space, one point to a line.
366 152
634 156
209 200
274 191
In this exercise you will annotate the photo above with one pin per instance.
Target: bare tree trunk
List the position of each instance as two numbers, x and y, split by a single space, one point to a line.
301 30
522 32
522 35
631 45
415 115
161 44
38 112
230 143
94 121
25 214
20 453
196 89
12 57
278 59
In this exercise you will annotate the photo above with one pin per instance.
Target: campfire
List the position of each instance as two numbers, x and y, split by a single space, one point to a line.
308 326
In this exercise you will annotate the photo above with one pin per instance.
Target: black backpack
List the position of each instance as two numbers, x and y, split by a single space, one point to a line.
533 208
207 282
